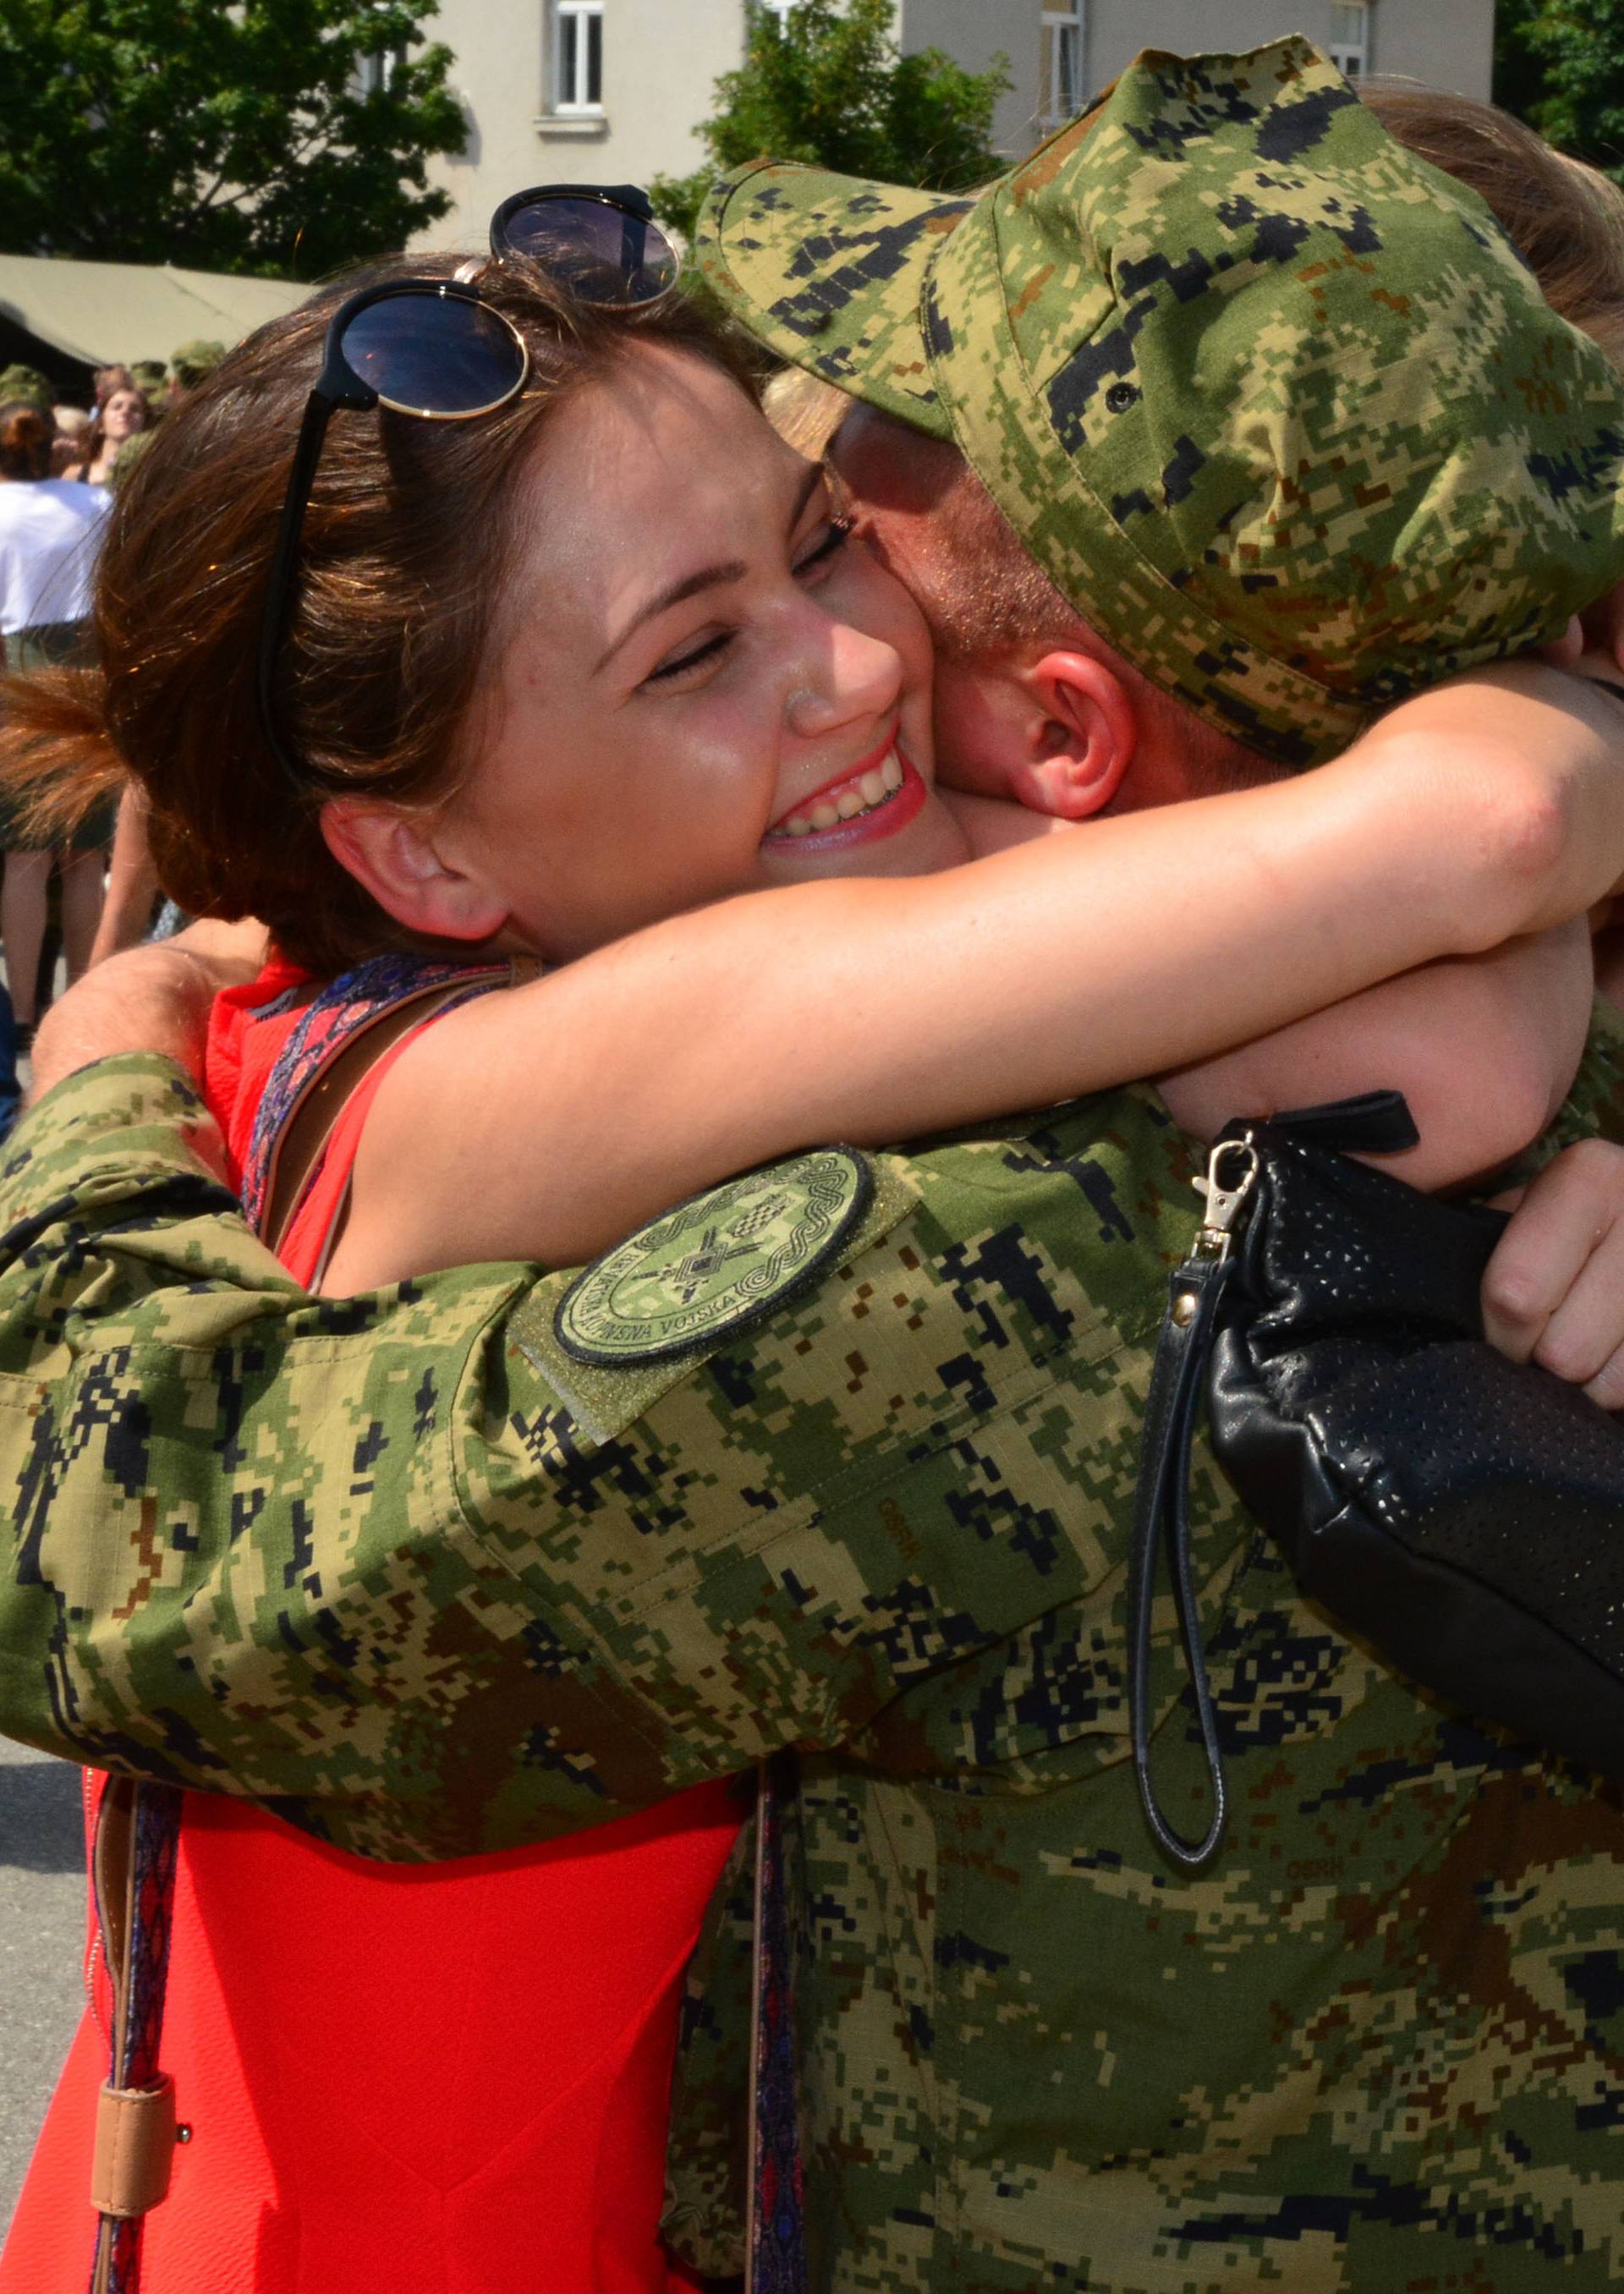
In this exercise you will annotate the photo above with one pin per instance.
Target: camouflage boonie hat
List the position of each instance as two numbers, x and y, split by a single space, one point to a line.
195 362
18 381
1275 403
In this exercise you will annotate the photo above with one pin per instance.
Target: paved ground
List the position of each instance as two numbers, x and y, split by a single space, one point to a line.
42 1944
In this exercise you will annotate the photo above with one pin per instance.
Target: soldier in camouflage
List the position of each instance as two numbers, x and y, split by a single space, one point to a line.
1203 350
843 1458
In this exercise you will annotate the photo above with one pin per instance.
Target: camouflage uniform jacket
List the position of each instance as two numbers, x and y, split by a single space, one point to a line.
403 1567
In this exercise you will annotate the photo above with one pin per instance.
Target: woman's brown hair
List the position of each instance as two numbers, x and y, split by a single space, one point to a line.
25 439
402 562
1564 218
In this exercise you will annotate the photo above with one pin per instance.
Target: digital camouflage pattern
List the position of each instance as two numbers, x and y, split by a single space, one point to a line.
1275 403
363 1559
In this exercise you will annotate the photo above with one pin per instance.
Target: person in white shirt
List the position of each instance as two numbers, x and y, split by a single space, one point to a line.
50 530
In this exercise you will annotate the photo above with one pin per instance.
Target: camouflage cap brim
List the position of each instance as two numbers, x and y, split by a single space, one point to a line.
827 271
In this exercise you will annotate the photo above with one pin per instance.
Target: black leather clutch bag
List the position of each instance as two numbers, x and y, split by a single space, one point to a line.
1462 1513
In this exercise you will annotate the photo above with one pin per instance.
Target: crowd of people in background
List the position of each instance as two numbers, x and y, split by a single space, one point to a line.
60 464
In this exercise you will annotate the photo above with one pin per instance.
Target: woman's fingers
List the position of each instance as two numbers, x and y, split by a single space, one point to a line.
1553 1289
1584 1337
1536 1261
1607 1387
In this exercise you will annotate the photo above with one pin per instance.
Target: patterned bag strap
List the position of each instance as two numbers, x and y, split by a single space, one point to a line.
133 1867
341 1033
775 2244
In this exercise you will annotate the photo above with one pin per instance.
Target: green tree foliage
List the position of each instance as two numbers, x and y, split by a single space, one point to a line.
227 134
830 85
1519 75
1559 64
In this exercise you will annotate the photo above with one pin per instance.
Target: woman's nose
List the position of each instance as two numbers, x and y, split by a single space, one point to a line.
857 677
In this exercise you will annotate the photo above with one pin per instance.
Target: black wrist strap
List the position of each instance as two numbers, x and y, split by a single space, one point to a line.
1161 1522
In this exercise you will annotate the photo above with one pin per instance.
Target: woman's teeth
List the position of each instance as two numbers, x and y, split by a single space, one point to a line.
845 802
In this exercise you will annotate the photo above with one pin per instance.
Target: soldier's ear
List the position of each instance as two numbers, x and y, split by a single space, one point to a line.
1077 732
397 857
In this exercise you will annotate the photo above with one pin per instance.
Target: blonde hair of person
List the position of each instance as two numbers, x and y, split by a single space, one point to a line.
804 411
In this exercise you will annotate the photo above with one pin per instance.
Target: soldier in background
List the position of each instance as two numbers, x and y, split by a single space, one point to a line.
1380 2032
20 380
189 366
152 379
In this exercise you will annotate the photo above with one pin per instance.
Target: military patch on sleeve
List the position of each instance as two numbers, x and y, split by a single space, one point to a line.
716 1264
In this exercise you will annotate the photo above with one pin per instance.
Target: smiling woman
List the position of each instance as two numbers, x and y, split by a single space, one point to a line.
714 666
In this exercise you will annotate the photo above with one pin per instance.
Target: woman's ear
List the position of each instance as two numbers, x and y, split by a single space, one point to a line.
397 856
1084 728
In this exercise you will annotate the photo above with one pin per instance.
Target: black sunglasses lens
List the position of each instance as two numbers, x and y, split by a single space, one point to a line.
601 253
434 354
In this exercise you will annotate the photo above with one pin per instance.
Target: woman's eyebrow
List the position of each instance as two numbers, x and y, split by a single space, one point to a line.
708 577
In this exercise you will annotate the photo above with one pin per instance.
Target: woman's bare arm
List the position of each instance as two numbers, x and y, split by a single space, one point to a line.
1483 1047
550 1121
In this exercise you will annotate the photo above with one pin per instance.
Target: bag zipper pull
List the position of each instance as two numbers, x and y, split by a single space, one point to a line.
1231 1174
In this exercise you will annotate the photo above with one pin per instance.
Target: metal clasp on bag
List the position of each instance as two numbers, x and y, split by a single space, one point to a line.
1231 1174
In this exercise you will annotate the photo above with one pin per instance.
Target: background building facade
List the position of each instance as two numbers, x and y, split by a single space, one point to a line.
611 91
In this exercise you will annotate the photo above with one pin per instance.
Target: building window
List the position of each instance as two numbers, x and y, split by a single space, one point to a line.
578 55
375 74
1060 75
1350 37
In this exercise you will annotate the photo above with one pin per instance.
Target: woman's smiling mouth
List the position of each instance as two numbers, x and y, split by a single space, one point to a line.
876 800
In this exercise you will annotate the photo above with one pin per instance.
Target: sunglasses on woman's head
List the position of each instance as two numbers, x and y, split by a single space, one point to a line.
436 349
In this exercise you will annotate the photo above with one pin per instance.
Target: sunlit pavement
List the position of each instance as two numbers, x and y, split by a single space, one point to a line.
42 1939
42 1944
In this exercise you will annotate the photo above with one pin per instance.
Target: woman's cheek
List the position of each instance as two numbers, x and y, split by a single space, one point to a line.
730 769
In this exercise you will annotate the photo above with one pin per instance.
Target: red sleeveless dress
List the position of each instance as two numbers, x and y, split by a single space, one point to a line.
441 2079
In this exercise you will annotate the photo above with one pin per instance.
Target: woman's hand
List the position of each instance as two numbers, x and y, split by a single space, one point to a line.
1554 1290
